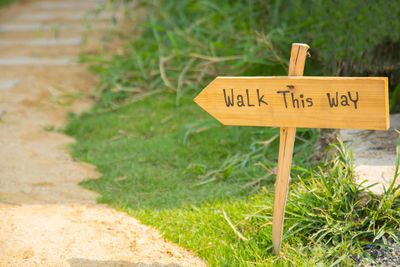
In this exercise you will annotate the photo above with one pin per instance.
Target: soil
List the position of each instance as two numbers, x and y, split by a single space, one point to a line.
46 218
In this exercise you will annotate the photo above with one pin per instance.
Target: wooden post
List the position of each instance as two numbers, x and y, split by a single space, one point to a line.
287 136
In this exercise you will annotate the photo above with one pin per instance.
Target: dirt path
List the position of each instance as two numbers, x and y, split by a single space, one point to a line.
46 219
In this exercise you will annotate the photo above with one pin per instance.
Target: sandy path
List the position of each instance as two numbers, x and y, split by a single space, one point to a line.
46 219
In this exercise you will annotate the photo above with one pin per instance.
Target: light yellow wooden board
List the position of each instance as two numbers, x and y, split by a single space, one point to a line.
361 102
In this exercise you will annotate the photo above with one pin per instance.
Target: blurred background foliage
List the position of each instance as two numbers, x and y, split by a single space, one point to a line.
4 3
182 45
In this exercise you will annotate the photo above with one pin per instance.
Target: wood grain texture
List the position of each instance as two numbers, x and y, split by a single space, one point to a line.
297 60
286 143
299 102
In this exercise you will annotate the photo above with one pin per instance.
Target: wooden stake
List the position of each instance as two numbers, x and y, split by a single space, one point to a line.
287 136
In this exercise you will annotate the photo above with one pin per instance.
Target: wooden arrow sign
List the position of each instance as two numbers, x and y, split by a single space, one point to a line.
309 102
295 101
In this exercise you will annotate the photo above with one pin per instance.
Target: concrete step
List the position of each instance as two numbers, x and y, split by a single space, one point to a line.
46 27
55 16
69 5
43 42
374 154
36 61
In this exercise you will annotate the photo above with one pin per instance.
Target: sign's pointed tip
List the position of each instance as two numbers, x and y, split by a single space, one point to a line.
201 98
197 99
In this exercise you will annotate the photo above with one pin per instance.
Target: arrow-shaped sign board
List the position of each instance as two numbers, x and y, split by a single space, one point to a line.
296 101
309 102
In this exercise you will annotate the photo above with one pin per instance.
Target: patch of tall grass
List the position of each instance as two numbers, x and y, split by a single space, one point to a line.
327 207
180 46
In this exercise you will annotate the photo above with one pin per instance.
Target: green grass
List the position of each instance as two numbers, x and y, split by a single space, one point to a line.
156 155
4 3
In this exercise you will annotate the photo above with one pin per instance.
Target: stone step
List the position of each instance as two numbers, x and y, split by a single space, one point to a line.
35 61
67 16
69 5
42 42
53 51
30 35
374 154
53 27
